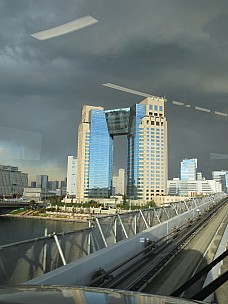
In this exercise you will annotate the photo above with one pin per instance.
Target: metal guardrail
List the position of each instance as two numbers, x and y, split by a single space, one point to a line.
22 261
215 272
136 276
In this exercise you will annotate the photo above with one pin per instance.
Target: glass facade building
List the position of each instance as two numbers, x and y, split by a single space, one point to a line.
95 149
42 181
100 157
222 178
138 111
188 169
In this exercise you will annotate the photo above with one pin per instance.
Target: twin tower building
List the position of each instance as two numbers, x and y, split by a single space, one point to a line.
145 126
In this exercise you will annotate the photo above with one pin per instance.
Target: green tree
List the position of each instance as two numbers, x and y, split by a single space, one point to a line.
93 203
32 204
124 199
152 204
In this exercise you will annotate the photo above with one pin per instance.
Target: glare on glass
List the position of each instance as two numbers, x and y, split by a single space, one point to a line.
65 28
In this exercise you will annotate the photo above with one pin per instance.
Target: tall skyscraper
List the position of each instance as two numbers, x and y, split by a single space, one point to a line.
42 181
71 175
145 126
118 182
188 169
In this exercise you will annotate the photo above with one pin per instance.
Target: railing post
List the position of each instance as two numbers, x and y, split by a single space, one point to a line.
135 223
125 233
45 251
59 248
142 215
149 217
166 213
194 201
101 232
89 238
115 229
174 207
157 216
186 206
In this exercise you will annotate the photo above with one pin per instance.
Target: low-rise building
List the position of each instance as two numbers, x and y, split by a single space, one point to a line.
36 194
193 187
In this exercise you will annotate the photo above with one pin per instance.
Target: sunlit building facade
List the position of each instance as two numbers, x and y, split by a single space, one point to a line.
71 175
192 187
145 126
118 182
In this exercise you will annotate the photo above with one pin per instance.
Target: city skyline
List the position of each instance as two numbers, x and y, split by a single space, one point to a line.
172 52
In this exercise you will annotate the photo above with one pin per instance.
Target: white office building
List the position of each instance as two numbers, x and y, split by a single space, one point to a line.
71 175
36 194
193 187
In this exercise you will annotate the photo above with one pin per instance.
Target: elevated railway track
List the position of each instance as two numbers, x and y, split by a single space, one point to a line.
153 260
139 274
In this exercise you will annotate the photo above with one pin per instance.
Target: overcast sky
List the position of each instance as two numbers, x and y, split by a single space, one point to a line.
177 49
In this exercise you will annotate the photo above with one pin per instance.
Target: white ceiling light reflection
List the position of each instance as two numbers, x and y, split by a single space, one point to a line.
218 156
221 114
174 102
177 103
127 90
203 109
65 28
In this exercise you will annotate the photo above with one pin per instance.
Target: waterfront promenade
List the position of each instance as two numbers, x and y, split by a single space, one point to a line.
80 215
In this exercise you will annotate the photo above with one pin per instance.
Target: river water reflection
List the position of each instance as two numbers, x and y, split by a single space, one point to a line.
18 229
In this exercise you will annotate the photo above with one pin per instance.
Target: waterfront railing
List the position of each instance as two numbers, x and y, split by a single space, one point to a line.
25 260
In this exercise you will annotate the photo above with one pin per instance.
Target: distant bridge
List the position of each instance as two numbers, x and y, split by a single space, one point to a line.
7 206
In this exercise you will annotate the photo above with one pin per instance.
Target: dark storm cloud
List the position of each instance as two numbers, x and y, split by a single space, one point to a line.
174 48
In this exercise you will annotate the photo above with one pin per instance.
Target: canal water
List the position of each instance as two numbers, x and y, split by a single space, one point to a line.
18 229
